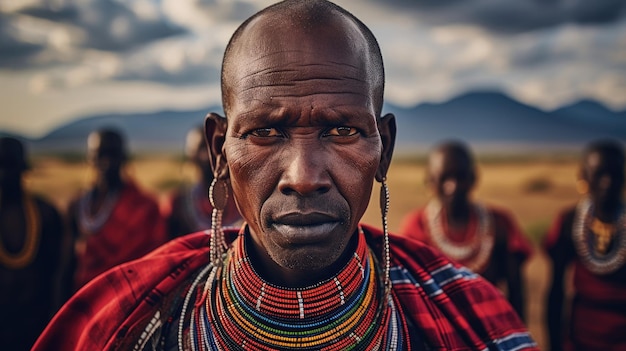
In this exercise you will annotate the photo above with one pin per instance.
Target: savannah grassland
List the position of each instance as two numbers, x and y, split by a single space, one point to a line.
533 189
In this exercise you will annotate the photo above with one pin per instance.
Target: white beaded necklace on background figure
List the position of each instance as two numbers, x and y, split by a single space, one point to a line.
585 243
473 252
93 223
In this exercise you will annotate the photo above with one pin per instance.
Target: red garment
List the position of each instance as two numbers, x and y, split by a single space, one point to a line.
598 311
134 228
509 239
452 308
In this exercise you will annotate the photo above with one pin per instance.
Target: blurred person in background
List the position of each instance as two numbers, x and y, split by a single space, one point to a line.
31 253
485 239
188 209
114 221
591 237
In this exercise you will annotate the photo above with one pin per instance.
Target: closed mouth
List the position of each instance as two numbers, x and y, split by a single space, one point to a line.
305 228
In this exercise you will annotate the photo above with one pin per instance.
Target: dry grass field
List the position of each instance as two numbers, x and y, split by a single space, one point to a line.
533 191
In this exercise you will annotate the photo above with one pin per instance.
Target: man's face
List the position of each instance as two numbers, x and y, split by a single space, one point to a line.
105 155
605 177
302 144
451 178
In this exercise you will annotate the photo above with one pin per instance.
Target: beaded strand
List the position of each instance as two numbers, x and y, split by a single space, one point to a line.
475 252
242 311
595 262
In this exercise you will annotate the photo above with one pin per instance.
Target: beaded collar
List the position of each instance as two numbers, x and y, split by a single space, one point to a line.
585 245
475 251
238 310
91 224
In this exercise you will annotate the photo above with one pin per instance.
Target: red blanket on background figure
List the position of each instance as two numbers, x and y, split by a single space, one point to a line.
597 318
451 308
134 228
509 239
503 261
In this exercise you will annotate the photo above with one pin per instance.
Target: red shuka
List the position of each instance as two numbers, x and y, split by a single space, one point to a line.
134 228
452 308
598 312
509 236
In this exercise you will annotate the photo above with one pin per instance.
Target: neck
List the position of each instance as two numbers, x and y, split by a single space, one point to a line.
458 213
104 185
606 211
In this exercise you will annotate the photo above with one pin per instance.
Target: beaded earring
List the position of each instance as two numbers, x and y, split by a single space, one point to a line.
218 195
384 209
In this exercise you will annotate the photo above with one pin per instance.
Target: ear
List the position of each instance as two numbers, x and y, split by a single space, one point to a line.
215 135
387 130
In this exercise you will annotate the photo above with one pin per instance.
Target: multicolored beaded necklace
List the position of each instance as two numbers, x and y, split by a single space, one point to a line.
606 261
241 311
474 252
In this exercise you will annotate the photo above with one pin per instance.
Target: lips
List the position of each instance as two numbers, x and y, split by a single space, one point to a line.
305 228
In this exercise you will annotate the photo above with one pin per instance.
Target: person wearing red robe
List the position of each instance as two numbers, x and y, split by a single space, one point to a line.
31 254
302 144
591 238
188 209
115 221
484 238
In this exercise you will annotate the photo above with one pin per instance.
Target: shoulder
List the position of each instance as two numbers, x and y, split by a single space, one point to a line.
45 206
500 212
455 306
75 200
124 296
560 227
502 216
133 193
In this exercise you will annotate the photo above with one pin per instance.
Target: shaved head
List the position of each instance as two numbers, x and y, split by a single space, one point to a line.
456 150
278 22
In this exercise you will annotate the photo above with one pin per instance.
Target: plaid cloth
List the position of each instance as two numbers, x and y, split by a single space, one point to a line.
451 308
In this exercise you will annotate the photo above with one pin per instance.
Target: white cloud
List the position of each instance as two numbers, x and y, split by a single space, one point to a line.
69 49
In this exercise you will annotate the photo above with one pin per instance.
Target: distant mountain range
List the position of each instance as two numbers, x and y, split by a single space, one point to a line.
487 120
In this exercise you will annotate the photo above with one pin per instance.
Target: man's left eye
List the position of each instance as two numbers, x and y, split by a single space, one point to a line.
341 131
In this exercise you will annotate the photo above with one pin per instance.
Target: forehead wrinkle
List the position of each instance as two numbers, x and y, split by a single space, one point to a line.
322 116
333 69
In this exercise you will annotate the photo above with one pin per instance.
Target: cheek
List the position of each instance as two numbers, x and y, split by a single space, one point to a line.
253 177
353 171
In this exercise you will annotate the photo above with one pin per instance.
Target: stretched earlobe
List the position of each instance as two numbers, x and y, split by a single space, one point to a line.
215 135
387 130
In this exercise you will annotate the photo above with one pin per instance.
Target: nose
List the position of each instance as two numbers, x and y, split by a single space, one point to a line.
306 172
449 187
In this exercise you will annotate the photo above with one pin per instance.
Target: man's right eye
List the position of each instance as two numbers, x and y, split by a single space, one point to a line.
266 132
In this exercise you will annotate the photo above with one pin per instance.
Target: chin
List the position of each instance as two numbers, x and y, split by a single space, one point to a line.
308 259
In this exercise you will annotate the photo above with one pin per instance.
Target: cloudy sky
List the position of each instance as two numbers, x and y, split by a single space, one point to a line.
65 59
